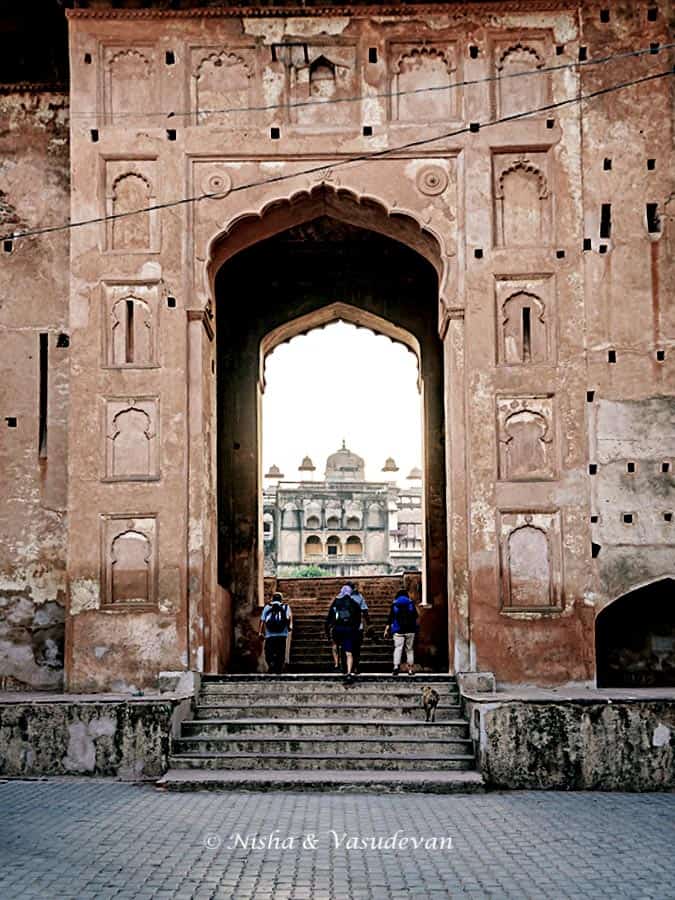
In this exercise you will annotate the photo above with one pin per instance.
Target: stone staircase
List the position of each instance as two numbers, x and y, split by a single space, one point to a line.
311 651
310 732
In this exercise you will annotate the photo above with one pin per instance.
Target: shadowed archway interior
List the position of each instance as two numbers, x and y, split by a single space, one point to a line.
296 275
635 638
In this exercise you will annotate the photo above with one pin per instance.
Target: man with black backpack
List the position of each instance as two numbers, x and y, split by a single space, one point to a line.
402 624
342 624
277 620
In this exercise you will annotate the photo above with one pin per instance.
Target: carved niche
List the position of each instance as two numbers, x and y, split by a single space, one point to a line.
420 76
328 74
526 333
516 91
223 82
130 324
130 191
129 85
522 199
129 561
527 440
531 561
132 439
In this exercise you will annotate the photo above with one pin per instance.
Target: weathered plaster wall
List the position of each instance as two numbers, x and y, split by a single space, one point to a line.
629 314
34 192
502 213
573 745
125 739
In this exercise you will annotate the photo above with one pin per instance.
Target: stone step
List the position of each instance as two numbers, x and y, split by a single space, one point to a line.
299 761
439 782
320 729
311 744
328 709
311 682
250 677
396 694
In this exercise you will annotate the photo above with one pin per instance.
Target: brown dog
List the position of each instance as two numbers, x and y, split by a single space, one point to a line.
430 700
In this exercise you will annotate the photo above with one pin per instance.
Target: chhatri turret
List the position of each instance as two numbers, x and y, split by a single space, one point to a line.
344 465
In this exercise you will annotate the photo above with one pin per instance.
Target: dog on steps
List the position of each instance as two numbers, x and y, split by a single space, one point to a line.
430 702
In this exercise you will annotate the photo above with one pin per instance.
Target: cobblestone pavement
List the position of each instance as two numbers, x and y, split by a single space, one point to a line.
99 839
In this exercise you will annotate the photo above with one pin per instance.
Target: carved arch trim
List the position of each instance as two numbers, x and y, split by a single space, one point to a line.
341 203
525 165
523 48
227 57
129 51
429 51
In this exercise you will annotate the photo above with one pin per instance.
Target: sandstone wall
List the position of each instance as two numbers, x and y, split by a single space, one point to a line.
129 740
552 240
34 287
574 745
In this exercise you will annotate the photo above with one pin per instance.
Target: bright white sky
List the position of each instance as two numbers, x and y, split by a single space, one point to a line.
341 382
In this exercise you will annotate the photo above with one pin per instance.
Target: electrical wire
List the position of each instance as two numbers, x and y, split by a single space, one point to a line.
362 157
652 50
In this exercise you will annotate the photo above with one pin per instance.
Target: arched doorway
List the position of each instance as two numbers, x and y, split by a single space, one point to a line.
635 638
299 266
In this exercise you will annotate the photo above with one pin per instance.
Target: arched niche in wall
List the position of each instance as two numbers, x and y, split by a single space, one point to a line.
517 90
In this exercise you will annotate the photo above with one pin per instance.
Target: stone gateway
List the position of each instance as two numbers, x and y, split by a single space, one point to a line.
214 180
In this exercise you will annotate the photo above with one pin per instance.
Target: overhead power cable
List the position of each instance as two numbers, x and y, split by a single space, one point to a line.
361 157
652 50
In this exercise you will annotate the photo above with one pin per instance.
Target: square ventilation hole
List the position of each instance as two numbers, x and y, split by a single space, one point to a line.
560 254
667 517
593 469
590 396
171 302
8 246
63 340
607 164
275 134
654 47
169 57
474 127
611 356
478 253
550 123
651 165
602 248
665 468
171 134
652 12
367 130
560 49
94 135
660 355
473 52
587 244
87 59
630 468
372 54
595 550
11 421
604 15
627 518
595 519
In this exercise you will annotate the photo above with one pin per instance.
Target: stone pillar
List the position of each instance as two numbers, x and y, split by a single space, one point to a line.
459 617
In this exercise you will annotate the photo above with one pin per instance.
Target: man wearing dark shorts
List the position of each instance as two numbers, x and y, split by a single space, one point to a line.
343 621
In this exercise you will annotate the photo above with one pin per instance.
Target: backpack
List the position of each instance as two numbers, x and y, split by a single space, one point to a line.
346 612
404 615
276 620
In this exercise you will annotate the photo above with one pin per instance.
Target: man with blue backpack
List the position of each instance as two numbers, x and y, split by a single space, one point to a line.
277 620
342 625
403 626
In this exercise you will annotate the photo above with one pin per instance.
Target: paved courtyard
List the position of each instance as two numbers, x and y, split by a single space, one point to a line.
100 839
